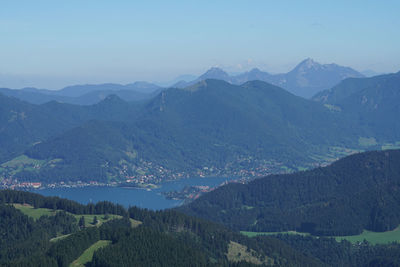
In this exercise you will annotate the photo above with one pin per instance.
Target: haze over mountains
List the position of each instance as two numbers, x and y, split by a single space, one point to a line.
210 128
212 125
85 94
305 80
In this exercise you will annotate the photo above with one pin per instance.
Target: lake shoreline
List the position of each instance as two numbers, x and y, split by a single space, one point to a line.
149 198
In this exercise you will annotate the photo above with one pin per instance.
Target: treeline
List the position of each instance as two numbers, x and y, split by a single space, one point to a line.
146 247
213 238
22 237
165 238
344 253
63 252
355 193
172 238
56 203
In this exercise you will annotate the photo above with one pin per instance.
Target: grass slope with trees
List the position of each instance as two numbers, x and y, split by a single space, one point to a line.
164 238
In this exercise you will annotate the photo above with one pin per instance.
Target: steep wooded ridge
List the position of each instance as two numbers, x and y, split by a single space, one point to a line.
212 125
355 193
373 103
22 125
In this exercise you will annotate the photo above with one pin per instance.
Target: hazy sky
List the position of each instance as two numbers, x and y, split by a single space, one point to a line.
55 43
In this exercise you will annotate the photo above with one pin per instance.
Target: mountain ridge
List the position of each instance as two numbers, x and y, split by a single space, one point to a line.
305 79
85 94
370 102
352 194
210 127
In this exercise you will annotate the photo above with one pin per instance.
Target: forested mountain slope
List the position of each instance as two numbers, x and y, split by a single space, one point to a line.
210 125
210 128
164 238
137 237
373 103
355 193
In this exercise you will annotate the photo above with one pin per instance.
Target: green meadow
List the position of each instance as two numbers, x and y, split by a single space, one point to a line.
374 237
87 255
371 237
101 218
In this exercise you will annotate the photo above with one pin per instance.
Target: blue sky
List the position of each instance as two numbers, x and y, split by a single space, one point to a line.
55 43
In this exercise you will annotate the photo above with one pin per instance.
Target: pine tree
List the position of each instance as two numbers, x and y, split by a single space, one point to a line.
95 221
82 222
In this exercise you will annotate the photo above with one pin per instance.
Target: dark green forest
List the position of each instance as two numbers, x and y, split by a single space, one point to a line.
165 238
355 193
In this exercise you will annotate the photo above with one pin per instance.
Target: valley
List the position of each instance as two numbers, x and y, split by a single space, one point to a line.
199 133
150 174
260 129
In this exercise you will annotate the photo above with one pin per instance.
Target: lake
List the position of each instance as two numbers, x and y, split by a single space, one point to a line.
142 198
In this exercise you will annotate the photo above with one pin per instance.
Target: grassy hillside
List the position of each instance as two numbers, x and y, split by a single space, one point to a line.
36 213
87 255
373 237
370 236
166 237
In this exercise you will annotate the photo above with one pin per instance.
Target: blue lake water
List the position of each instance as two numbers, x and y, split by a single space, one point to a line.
131 196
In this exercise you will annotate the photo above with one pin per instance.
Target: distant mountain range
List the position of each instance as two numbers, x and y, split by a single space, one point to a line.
371 73
305 80
210 128
85 94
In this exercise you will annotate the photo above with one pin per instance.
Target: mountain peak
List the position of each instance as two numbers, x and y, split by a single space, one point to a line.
113 98
308 63
207 83
215 73
255 70
144 84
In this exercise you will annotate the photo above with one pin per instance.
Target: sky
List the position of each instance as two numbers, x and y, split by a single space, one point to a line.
51 44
